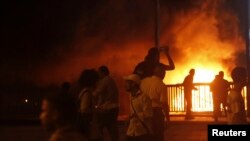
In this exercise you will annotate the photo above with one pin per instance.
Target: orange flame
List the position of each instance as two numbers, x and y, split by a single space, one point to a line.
204 38
200 42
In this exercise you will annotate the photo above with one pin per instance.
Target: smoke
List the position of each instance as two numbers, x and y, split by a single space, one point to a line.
48 43
202 34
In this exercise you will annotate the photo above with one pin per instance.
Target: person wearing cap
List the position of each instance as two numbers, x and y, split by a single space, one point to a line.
235 101
154 87
140 120
152 59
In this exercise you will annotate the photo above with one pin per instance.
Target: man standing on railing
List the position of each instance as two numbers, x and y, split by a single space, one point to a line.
188 87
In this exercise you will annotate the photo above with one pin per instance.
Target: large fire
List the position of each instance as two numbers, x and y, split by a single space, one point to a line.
205 37
203 45
199 40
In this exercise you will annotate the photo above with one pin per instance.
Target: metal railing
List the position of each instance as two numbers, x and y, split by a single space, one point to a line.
201 98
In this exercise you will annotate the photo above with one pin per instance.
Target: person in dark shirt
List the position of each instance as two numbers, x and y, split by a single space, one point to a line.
219 88
151 60
224 88
188 87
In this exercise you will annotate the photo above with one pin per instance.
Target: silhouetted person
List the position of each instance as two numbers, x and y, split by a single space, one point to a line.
224 87
214 88
219 88
152 59
140 120
86 108
188 87
58 116
107 95
235 101
154 87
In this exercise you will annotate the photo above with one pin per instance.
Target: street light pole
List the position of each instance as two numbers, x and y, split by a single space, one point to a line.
157 24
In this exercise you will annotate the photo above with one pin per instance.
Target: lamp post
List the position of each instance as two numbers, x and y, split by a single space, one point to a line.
157 24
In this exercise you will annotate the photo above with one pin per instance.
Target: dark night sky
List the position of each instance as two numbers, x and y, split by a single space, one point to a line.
37 33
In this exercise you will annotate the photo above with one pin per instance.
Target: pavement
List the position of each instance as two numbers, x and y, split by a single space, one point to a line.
178 129
196 129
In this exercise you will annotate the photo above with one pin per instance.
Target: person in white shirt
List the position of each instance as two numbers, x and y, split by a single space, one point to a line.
139 128
154 87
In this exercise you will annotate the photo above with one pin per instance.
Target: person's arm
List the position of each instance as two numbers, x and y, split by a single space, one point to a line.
84 102
171 65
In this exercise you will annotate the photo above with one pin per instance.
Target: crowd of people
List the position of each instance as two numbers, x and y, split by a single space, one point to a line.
96 107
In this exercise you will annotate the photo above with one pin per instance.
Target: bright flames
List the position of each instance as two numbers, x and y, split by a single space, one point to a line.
204 37
207 44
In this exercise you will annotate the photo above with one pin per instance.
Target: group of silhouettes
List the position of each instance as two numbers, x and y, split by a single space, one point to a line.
96 106
227 98
84 116
230 99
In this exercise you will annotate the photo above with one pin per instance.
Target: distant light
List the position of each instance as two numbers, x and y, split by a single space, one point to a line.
26 100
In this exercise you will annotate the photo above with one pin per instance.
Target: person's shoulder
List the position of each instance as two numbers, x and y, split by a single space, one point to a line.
146 80
144 97
226 82
186 77
139 66
141 63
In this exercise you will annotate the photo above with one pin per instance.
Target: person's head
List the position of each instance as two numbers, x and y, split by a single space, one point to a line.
216 77
132 82
239 75
103 71
153 55
192 72
88 78
58 109
65 86
221 74
159 71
